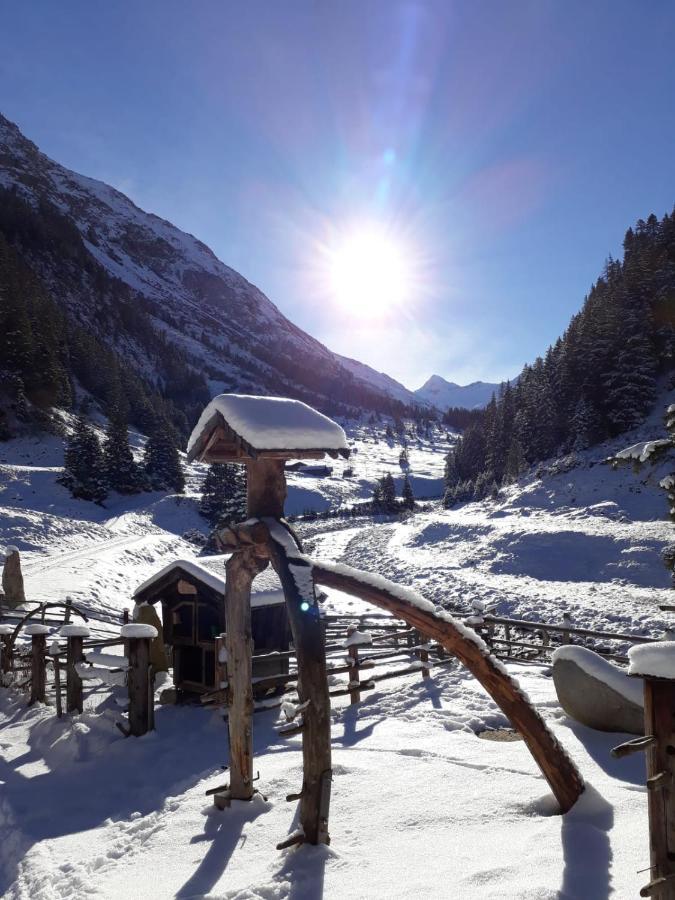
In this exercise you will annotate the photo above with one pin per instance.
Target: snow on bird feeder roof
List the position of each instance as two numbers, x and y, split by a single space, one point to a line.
210 570
236 427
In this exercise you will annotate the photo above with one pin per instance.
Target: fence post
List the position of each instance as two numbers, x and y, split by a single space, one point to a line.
6 655
651 663
38 664
220 680
423 654
353 653
139 680
75 635
54 650
567 624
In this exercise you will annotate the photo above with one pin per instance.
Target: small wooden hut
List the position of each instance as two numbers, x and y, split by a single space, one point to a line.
192 599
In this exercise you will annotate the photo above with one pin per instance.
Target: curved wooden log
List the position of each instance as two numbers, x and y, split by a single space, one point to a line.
556 766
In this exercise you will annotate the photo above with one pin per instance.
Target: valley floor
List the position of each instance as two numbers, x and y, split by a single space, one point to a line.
420 805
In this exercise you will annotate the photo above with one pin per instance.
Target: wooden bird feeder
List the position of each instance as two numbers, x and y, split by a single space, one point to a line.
263 433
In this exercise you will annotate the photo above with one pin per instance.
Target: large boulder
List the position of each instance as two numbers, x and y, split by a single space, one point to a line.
594 692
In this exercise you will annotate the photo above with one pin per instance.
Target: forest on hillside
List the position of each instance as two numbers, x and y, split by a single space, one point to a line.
596 381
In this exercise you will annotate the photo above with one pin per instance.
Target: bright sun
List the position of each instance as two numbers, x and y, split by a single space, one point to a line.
369 274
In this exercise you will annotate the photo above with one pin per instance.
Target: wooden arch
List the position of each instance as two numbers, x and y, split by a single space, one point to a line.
270 539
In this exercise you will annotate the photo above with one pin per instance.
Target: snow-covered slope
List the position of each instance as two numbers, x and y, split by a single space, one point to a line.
443 394
230 330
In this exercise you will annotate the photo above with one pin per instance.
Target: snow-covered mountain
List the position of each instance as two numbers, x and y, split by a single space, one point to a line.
443 394
228 329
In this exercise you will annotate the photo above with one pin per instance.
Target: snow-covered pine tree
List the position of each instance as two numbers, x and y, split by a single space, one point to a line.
388 493
407 494
223 498
161 461
123 474
84 468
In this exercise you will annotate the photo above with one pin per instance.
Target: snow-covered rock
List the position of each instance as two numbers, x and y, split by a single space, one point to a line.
594 692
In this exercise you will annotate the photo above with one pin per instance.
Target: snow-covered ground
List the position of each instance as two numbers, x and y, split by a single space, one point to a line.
420 803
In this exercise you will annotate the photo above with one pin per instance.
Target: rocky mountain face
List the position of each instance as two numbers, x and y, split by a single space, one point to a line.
444 394
157 295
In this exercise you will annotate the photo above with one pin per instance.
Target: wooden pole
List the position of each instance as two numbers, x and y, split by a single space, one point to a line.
138 680
240 570
75 635
38 677
660 722
354 677
6 650
307 629
556 766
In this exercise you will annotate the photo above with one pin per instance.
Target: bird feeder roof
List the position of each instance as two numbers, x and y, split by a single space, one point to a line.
237 427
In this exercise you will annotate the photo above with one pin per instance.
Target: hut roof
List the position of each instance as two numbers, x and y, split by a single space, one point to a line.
237 426
210 570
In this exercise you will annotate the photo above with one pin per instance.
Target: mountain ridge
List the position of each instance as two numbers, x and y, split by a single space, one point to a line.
225 327
443 394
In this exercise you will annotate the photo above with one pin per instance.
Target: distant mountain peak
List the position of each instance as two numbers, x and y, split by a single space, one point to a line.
443 394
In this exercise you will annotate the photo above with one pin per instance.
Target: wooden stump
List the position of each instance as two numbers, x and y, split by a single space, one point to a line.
138 685
308 639
74 655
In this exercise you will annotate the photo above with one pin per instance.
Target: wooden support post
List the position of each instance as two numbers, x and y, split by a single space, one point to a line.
138 678
38 676
660 722
303 614
354 678
75 635
240 570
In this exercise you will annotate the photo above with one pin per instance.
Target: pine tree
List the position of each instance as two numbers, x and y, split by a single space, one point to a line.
84 468
161 461
123 474
407 494
223 500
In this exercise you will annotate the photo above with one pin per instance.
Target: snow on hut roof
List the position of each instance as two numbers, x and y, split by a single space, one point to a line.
210 570
269 423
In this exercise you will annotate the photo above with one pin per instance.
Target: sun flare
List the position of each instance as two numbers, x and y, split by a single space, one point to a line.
369 274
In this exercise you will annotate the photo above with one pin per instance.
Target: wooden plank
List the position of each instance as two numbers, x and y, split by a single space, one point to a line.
561 774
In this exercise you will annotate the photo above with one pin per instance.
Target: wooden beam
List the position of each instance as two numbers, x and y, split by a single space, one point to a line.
556 766
265 488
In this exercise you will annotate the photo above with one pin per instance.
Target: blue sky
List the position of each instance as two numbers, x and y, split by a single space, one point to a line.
506 147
